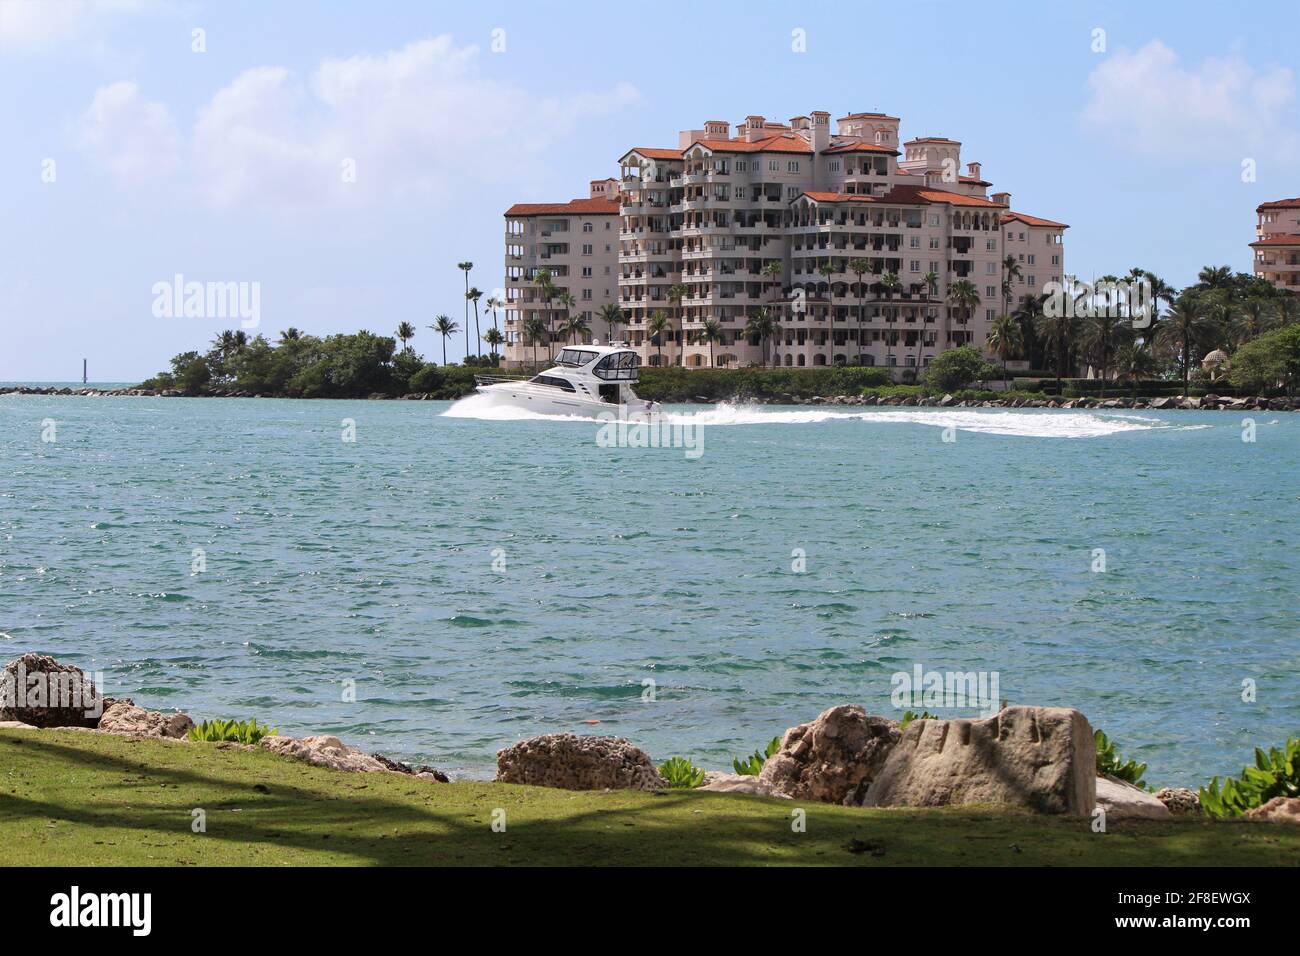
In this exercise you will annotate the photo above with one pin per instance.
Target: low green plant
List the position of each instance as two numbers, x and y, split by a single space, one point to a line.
1275 774
909 716
752 765
235 731
1109 762
681 774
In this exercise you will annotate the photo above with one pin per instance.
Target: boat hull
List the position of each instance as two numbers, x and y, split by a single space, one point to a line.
541 401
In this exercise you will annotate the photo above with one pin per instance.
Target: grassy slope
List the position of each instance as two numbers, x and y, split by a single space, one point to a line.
69 797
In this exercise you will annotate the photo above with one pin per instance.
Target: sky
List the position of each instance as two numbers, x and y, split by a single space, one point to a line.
342 158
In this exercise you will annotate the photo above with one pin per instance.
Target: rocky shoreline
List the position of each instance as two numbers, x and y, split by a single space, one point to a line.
1042 759
1209 402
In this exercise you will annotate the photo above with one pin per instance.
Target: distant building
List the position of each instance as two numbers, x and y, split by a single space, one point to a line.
576 242
1277 243
776 215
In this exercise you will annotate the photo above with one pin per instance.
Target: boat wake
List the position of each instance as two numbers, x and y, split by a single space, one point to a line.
1028 424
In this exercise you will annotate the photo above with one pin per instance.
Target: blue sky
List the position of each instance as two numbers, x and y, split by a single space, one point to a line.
226 165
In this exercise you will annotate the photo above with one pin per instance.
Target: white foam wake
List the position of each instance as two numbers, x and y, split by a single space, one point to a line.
1029 424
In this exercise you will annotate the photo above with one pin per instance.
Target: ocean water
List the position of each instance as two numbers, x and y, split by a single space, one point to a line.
474 579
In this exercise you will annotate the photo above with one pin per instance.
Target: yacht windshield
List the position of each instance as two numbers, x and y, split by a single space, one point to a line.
574 358
618 367
554 381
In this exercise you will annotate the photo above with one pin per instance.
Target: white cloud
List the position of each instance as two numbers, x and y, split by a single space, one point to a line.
34 25
1225 106
134 138
419 122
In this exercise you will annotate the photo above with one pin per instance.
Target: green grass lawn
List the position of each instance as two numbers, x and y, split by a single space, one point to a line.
70 797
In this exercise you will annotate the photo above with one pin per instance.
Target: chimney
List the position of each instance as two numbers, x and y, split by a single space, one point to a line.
973 170
715 129
821 130
754 128
1002 199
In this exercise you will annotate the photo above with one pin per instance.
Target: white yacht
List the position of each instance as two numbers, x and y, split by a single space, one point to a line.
586 381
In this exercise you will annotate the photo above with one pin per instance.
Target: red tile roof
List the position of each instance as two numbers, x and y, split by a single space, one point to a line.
770 144
933 139
574 207
1032 220
1279 204
655 152
908 196
861 148
1280 239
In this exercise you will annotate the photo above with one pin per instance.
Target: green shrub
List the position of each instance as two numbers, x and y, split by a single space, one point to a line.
681 774
909 716
235 731
959 368
1108 762
752 765
1275 774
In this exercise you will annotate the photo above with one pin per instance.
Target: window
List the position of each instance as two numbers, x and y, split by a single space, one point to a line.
1056 260
741 165
990 268
554 381
586 272
934 219
586 227
990 290
914 265
1031 258
792 166
1022 237
835 165
586 248
914 242
990 245
586 295
934 242
774 165
1031 282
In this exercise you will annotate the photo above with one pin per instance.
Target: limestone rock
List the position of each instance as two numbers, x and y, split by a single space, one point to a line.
1037 757
15 725
833 758
38 690
718 782
324 751
572 762
1122 801
423 771
124 717
1179 800
1277 810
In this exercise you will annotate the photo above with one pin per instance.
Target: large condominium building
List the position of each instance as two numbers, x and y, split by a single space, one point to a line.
576 244
1277 243
861 250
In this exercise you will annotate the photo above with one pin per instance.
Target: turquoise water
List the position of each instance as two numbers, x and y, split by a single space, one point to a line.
372 562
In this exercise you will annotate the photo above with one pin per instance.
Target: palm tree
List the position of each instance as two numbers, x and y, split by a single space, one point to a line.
613 317
474 295
771 272
763 326
290 334
1254 318
493 303
534 329
405 332
1184 326
1132 364
826 270
859 268
465 267
493 338
444 326
576 327
655 327
1102 334
1285 308
965 297
566 301
1004 341
676 292
1215 277
1010 272
891 284
710 332
1057 332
